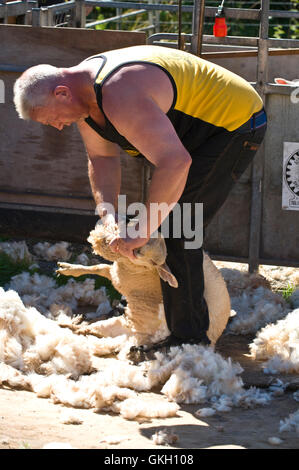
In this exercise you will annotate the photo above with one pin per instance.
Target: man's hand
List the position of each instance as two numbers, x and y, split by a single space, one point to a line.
126 246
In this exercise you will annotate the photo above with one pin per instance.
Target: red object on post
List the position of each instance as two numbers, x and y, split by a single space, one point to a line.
220 28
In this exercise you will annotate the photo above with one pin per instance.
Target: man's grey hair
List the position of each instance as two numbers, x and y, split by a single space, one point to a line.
34 88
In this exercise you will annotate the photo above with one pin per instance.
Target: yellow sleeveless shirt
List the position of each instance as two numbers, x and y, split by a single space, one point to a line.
205 95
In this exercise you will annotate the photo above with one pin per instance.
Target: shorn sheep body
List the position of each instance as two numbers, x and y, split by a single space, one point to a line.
139 283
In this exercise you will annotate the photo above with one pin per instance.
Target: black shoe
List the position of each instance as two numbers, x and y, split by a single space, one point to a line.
147 352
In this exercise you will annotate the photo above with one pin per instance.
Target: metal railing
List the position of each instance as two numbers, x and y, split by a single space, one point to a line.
19 8
73 14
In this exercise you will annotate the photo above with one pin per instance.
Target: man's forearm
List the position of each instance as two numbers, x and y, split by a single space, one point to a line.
166 188
105 178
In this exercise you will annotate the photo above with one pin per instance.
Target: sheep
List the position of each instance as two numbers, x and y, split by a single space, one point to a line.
138 281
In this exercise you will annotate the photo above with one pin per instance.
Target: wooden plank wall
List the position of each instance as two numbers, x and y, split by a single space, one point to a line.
39 165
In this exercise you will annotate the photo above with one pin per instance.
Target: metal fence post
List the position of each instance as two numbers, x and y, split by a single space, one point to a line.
36 17
258 163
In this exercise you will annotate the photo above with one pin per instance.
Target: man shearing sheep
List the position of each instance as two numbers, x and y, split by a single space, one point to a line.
198 124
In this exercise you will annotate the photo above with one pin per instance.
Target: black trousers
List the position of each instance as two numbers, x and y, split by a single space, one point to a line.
216 165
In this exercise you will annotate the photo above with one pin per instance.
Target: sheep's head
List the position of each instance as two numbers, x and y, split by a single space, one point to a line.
100 238
152 255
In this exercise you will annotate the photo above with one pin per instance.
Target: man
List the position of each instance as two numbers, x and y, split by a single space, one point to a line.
197 123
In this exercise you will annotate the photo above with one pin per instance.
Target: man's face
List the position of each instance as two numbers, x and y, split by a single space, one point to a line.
61 110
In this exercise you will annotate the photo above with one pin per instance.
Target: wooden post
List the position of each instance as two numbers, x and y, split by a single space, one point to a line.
80 14
5 19
197 26
28 16
258 163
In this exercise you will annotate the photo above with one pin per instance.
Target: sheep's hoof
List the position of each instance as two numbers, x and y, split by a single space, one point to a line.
147 353
68 270
139 354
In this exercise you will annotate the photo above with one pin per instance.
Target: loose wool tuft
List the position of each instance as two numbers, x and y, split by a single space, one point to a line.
279 344
205 412
52 252
275 441
141 407
291 423
254 309
164 438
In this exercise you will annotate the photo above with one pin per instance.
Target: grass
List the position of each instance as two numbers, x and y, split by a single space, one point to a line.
287 291
9 267
25 445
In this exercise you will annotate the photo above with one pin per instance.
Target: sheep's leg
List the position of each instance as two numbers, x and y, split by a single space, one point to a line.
112 327
78 270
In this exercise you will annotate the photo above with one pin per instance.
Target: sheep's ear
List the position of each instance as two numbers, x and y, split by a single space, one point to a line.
167 276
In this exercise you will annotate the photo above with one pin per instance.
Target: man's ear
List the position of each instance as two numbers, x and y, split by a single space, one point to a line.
62 92
167 276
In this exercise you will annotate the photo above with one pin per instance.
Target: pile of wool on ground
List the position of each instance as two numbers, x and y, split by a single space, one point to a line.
196 374
30 342
254 309
41 292
52 251
17 251
280 276
277 277
54 362
278 344
253 303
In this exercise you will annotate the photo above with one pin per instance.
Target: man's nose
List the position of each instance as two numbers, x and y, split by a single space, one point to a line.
58 126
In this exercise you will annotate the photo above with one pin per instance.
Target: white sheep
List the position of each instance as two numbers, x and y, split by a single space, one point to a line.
139 282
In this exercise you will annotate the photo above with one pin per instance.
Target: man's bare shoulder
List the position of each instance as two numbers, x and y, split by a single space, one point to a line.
131 82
